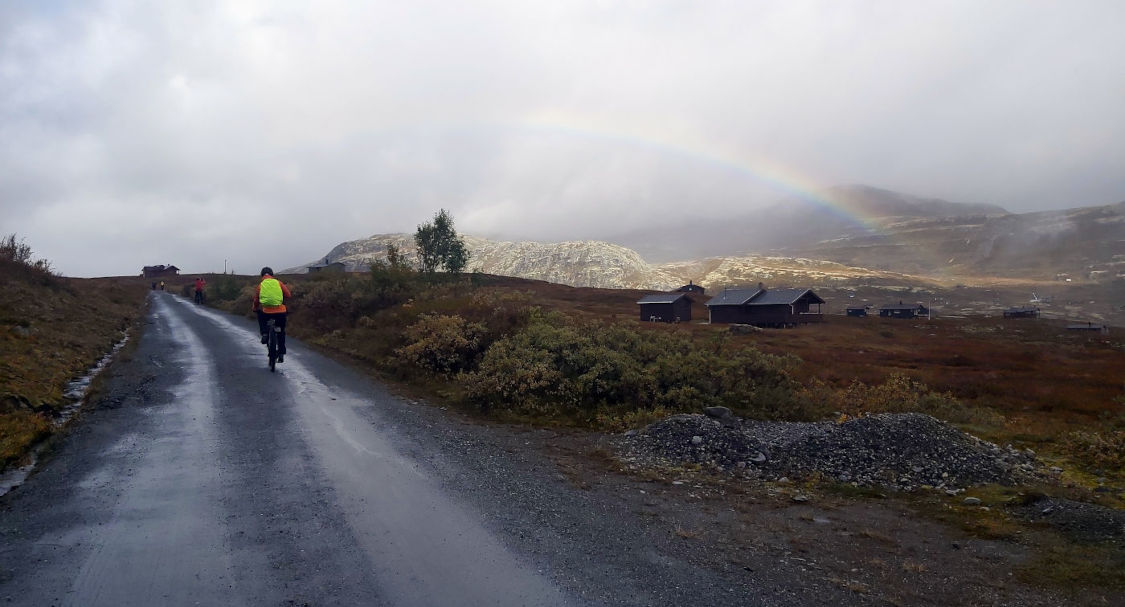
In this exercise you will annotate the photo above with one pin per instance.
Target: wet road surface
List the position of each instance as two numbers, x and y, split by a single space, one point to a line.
206 480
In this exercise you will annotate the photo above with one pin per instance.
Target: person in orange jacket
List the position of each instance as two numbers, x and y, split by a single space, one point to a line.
269 302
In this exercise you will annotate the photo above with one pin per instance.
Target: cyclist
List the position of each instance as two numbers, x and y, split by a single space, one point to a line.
269 302
200 284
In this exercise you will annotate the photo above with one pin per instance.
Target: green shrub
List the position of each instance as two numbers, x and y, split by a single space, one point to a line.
583 370
1099 452
442 344
328 305
901 394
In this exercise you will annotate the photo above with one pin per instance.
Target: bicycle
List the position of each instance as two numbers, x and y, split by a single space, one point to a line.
272 331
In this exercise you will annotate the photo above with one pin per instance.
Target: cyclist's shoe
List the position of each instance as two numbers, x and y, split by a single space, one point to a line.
280 358
265 338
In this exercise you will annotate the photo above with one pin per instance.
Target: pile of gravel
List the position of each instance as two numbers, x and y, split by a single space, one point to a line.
1077 520
899 451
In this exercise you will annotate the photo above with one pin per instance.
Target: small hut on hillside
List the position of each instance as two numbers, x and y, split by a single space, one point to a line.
335 266
159 271
901 310
666 307
766 307
1021 312
691 287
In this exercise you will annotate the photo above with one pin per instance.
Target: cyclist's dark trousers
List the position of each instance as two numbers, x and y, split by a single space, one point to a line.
279 318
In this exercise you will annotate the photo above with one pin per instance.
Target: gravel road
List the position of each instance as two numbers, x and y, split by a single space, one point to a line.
199 478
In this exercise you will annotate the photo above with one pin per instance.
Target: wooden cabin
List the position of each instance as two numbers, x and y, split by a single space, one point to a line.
665 307
901 310
335 266
691 287
763 307
1088 326
858 311
159 271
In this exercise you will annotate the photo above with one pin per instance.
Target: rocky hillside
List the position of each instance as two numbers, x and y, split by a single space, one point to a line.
793 223
1084 244
575 263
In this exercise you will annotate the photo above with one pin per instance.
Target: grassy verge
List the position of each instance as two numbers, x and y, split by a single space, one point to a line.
52 330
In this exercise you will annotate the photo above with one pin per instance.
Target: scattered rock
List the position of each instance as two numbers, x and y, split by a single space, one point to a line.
22 331
971 501
718 412
901 451
1080 521
744 329
800 498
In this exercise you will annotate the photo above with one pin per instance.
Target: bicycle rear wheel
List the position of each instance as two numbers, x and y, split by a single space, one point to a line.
272 345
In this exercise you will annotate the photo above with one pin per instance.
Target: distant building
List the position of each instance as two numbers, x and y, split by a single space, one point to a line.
666 307
901 310
1021 312
335 266
1088 326
857 311
690 287
159 271
765 308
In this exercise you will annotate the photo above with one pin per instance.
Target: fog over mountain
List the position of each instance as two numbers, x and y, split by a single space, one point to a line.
904 235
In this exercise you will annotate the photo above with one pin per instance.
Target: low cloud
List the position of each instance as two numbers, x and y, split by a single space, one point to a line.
265 133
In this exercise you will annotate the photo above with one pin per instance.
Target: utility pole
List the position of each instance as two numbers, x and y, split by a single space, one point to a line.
224 266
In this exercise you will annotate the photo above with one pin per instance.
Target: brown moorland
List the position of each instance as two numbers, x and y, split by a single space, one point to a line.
53 330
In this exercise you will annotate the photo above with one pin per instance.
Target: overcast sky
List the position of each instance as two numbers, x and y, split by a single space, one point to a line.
266 132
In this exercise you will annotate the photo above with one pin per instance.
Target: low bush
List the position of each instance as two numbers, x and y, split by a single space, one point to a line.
329 304
16 261
441 344
1098 452
556 368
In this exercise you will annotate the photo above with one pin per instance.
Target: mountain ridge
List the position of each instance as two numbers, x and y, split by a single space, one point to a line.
924 240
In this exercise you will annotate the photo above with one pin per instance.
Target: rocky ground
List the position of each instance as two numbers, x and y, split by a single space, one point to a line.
893 451
903 452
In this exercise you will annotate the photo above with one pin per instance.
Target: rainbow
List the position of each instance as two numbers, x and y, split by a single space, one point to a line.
760 170
784 180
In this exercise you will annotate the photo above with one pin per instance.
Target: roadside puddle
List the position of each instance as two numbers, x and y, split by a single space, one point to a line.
77 388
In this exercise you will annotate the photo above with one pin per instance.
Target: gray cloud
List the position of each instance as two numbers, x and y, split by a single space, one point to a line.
266 132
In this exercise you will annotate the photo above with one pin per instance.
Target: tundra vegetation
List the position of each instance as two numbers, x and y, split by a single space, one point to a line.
52 329
533 352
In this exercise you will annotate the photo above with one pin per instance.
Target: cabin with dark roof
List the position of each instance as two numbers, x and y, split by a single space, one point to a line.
335 266
1088 326
691 287
901 310
665 307
858 311
159 271
1021 312
765 307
